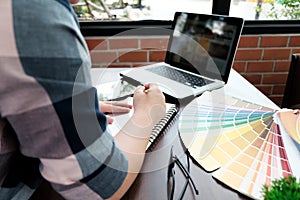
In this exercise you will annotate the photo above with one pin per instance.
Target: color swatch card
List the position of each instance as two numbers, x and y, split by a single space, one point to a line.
246 145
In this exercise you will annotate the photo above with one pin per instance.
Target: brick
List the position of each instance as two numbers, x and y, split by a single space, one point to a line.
273 54
275 78
278 89
273 41
123 43
282 66
260 66
248 41
294 41
134 56
248 54
157 56
103 57
96 44
277 99
253 78
154 43
239 66
296 50
265 89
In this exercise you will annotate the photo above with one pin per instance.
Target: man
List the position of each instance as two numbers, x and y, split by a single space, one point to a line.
51 127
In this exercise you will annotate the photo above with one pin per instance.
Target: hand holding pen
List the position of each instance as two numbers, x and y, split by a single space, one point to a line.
148 100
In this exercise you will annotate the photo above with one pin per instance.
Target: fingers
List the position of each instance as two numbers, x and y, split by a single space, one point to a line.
115 107
147 88
110 119
149 105
150 85
119 104
139 89
147 96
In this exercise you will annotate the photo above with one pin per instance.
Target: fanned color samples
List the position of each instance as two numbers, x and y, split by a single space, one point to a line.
246 145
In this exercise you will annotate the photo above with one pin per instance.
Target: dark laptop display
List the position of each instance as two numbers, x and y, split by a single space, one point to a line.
213 38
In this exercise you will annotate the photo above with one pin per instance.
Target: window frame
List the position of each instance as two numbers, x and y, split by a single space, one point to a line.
251 27
221 7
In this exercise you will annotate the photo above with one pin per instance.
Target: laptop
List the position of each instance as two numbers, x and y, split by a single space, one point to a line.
199 57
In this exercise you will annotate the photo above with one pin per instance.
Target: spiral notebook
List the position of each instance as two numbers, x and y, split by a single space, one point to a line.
162 126
157 131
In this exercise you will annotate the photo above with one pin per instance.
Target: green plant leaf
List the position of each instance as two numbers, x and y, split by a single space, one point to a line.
285 188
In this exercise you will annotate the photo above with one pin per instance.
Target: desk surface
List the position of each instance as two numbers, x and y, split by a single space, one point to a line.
152 182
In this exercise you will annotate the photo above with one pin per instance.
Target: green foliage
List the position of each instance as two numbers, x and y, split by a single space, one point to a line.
287 1
286 188
81 11
286 9
96 8
258 9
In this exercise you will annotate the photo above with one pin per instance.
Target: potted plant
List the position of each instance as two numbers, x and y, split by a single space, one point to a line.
286 188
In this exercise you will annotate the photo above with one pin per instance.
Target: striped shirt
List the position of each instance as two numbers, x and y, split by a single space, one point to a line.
50 124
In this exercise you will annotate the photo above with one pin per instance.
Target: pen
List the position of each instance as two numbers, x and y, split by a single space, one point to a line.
147 89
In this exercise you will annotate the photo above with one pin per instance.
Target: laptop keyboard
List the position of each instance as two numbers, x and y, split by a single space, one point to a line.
182 77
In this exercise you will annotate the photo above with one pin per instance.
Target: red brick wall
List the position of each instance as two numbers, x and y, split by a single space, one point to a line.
127 52
263 60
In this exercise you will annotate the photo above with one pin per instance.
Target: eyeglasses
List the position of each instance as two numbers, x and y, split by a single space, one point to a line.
171 175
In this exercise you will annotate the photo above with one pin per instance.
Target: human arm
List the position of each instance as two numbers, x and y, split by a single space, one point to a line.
133 138
49 103
53 109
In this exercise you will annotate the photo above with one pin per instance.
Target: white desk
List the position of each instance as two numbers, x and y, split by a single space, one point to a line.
152 184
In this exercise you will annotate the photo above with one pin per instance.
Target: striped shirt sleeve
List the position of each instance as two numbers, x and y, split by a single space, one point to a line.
53 107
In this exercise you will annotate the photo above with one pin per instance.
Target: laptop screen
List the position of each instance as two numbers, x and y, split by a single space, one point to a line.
204 44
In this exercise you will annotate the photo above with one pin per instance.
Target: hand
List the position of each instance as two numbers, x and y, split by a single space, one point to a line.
114 107
149 103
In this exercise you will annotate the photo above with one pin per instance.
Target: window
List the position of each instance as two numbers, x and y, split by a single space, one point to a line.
135 10
110 17
138 9
266 9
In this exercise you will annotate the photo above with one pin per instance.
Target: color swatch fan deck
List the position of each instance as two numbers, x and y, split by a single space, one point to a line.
246 145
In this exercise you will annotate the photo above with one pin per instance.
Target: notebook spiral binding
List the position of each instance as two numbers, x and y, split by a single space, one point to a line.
162 127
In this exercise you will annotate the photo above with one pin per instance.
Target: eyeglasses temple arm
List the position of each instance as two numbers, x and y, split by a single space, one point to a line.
187 175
